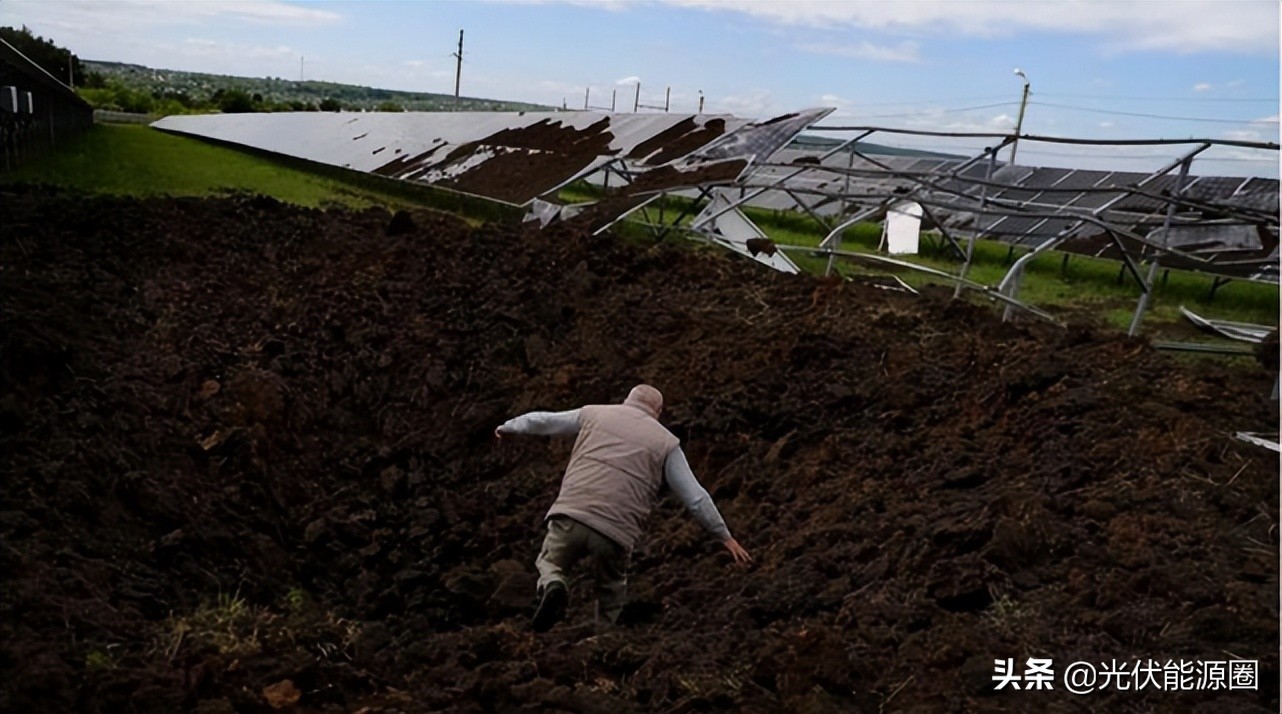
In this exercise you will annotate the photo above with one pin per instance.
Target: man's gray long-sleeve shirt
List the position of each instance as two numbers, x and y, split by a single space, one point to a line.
676 469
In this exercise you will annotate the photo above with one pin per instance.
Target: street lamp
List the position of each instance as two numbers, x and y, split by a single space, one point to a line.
1019 122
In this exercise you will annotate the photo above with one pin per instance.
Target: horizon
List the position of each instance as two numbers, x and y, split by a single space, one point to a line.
1172 69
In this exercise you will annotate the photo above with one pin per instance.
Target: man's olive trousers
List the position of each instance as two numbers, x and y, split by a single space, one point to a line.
567 542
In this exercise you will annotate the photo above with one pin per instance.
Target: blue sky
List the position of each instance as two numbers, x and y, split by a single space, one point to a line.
1196 68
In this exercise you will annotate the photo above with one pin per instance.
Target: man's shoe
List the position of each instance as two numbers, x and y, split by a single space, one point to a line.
551 606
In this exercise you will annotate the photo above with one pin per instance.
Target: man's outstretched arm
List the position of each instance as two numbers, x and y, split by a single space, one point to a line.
541 424
677 473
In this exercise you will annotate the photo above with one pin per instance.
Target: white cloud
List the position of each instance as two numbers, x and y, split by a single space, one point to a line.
1242 135
269 12
754 103
1002 121
903 52
832 100
134 14
124 31
230 50
629 80
1184 27
1266 120
610 5
1201 87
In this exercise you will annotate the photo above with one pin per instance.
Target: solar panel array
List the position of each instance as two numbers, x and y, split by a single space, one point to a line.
1235 218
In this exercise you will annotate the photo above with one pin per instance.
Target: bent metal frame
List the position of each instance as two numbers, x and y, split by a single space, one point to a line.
1134 213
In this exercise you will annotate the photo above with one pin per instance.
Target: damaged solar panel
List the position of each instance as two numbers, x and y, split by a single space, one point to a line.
511 157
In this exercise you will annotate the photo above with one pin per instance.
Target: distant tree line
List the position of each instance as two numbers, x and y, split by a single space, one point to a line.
55 60
142 90
116 96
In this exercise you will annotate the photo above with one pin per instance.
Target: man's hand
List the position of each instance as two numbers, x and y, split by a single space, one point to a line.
498 435
740 555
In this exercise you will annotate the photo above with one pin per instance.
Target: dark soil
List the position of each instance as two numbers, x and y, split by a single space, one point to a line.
529 161
248 465
678 140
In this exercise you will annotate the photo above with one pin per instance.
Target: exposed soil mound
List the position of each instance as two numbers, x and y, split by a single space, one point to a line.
248 467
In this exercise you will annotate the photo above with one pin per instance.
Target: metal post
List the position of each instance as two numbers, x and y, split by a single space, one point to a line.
1009 284
1142 305
1019 122
613 93
71 72
850 166
458 68
983 204
667 99
636 103
700 102
587 92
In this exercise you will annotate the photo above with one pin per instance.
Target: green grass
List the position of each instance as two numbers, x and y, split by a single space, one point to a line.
1085 287
139 161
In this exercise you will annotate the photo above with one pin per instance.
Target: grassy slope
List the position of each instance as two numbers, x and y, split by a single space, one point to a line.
139 161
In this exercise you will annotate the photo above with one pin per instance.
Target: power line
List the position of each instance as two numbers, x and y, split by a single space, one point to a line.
1155 116
936 111
1159 99
934 100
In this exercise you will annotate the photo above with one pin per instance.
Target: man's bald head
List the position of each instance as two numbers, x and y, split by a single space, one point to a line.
646 398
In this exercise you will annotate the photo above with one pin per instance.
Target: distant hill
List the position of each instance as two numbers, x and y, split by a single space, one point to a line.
202 87
822 143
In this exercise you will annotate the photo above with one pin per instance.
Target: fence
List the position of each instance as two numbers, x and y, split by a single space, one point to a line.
36 110
107 116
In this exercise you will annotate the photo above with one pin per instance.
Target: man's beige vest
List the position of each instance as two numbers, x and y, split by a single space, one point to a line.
614 474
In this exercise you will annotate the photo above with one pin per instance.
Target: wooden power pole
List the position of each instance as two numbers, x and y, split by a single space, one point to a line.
458 70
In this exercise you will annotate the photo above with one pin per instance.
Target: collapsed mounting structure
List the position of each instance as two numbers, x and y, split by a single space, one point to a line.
1227 227
1169 218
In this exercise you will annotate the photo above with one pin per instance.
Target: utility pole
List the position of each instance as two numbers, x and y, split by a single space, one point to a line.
71 72
1019 122
636 103
458 70
700 102
300 68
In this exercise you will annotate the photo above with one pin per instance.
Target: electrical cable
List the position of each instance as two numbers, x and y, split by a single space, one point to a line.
936 111
1155 116
935 100
1159 99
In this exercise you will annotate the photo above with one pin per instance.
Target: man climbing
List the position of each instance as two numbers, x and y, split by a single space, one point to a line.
621 457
